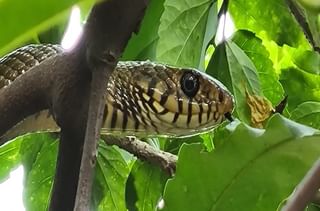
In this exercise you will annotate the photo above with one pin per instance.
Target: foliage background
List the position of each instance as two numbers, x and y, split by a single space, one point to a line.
236 166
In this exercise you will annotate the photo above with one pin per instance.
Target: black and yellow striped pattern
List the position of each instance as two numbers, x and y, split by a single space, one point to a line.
143 98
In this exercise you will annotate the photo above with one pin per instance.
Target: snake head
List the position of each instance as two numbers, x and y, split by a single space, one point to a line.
157 99
182 101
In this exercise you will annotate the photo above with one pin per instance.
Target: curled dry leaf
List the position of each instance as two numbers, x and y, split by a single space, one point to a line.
260 107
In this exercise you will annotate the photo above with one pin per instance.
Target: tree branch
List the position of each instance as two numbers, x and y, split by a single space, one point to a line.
166 161
305 191
105 42
25 96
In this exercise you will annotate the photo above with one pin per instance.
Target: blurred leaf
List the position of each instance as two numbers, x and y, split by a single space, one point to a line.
300 86
182 32
111 175
53 34
312 5
313 207
24 19
254 49
208 141
268 19
308 61
307 113
253 169
230 65
173 145
10 157
148 182
143 45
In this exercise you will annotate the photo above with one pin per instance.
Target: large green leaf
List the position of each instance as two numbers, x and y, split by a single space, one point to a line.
307 113
253 169
22 20
300 86
182 30
230 65
269 19
258 54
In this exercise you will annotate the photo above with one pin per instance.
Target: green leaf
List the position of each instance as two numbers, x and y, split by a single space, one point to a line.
210 32
24 19
268 19
10 157
254 49
308 61
39 152
148 182
300 86
230 65
253 169
307 113
312 5
314 25
143 45
111 175
181 32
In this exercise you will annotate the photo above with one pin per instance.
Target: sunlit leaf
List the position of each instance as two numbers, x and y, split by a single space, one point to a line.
10 157
181 31
39 152
269 19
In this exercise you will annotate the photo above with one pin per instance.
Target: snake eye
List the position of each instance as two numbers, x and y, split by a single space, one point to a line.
190 83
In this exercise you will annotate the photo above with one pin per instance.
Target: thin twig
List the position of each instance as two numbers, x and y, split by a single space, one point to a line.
305 191
296 11
144 151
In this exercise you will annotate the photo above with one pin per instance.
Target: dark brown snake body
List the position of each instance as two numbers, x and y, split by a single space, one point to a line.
143 98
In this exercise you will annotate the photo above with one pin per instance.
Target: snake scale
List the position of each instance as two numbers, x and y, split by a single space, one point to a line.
143 97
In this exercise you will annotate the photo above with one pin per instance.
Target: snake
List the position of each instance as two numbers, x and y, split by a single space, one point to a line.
143 98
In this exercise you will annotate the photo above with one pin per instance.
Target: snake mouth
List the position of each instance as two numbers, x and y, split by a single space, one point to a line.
228 116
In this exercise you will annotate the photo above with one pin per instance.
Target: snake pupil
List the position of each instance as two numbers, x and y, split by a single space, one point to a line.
190 83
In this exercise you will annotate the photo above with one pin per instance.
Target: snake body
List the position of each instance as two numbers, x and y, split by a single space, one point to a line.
143 97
